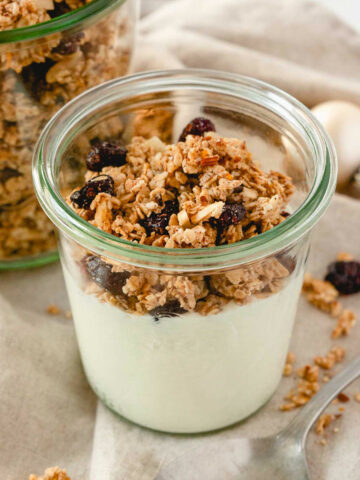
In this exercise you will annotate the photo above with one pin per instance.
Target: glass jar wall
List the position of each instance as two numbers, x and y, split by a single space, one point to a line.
185 339
42 67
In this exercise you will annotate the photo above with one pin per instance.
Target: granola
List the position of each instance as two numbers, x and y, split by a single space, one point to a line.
345 323
323 422
200 192
36 80
323 295
309 383
289 363
53 473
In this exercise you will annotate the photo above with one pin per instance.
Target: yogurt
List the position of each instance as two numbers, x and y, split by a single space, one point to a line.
188 373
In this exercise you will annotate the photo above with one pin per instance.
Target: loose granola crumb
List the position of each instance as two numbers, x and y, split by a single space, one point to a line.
323 295
344 257
290 358
53 473
68 314
357 397
53 309
323 422
309 373
288 368
335 355
345 323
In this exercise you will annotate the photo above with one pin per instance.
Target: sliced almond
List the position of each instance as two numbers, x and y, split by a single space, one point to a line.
213 210
184 219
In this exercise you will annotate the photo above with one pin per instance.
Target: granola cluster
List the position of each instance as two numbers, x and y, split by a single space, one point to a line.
201 192
36 79
53 473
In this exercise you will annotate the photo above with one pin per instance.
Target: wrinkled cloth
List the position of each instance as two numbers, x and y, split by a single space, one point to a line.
296 45
48 413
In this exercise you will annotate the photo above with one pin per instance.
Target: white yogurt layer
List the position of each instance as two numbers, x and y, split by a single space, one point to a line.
190 373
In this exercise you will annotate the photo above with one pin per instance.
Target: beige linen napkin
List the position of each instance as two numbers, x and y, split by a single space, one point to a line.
48 414
296 45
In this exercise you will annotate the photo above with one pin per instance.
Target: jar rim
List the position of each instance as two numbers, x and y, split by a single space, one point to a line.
60 23
182 259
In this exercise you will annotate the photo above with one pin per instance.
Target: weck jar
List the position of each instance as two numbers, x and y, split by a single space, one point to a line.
47 57
212 351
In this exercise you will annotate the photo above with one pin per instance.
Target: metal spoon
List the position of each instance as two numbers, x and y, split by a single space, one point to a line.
278 457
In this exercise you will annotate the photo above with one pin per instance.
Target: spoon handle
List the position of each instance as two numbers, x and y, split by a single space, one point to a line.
301 424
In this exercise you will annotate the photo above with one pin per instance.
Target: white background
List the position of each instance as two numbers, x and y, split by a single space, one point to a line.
348 10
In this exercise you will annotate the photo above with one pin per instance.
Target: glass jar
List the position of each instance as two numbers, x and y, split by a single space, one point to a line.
212 352
42 67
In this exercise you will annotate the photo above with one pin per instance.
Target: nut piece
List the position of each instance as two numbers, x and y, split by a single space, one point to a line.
209 161
214 210
184 220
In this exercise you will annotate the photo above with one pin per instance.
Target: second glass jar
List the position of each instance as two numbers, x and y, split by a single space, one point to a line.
42 67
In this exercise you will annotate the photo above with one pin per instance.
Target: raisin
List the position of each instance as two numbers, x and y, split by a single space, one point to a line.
285 214
232 214
69 45
6 173
197 126
105 154
345 276
60 8
157 222
100 272
171 309
101 184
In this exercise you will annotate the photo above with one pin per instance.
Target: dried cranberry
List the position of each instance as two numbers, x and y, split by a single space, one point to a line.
105 154
171 309
197 126
157 222
69 45
101 273
345 276
101 184
232 214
